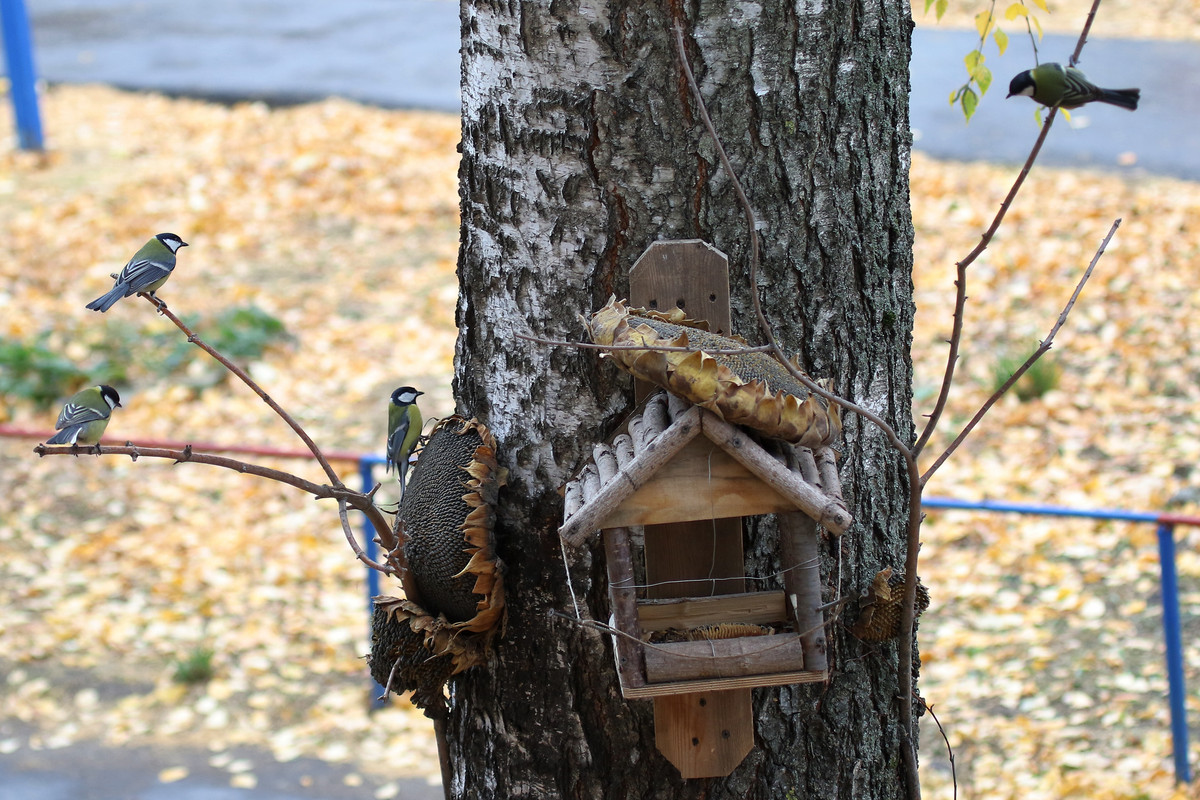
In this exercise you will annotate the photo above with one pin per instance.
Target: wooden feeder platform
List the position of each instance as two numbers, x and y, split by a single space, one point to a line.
674 484
674 463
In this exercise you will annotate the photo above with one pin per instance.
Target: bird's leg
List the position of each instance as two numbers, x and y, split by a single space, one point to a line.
159 304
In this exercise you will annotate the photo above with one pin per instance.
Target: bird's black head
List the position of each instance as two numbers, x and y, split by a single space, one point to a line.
1022 84
405 396
171 241
110 396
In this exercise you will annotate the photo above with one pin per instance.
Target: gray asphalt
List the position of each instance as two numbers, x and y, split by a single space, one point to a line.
89 771
404 54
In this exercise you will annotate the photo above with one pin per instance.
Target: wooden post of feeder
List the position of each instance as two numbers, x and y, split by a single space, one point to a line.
705 734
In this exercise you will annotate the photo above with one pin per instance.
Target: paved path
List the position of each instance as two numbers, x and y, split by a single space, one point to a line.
87 771
404 54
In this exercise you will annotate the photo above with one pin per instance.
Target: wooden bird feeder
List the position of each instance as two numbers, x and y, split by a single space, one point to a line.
677 479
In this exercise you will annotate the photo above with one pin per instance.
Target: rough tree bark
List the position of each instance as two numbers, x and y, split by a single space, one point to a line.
581 146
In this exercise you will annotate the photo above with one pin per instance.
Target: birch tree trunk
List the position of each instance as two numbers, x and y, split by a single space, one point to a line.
581 146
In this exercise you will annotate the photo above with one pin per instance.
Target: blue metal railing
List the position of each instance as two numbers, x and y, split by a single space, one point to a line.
1172 632
366 470
18 57
1164 523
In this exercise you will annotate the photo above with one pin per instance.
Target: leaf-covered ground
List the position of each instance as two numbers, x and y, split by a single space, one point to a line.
1043 655
1162 19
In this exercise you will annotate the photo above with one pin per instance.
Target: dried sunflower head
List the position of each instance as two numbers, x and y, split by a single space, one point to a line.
751 389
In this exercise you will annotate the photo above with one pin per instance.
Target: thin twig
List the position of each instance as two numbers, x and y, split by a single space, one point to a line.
961 280
357 500
762 348
960 284
135 452
1033 40
344 516
909 455
912 775
246 379
1087 27
1042 349
663 647
949 749
752 229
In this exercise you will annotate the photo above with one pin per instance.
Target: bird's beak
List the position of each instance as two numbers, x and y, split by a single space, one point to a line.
183 244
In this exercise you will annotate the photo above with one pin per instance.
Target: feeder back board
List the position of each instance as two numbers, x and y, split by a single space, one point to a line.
705 734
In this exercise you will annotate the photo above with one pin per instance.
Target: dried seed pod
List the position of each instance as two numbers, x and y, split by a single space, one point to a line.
400 661
751 389
722 630
879 610
728 630
446 522
447 515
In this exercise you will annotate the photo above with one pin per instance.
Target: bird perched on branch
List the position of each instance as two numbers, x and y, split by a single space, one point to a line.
1054 85
85 416
404 429
146 272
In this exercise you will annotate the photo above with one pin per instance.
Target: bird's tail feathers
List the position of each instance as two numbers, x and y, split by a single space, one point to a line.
67 435
105 302
1125 98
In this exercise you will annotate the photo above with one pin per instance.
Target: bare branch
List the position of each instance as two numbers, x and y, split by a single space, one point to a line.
1045 346
961 280
912 777
356 500
344 516
909 454
752 229
960 284
949 749
1087 27
246 379
135 452
383 531
762 348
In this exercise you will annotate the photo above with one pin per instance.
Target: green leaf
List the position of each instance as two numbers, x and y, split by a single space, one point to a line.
973 59
928 5
1015 10
982 76
969 101
942 6
1001 39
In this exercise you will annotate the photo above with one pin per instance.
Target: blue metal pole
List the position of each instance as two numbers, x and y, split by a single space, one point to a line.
366 472
1169 584
18 55
1174 638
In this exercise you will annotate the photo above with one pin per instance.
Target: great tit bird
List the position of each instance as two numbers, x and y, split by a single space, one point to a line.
85 416
1066 87
146 272
404 428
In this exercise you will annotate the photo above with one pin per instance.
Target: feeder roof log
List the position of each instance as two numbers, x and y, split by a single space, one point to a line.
678 462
